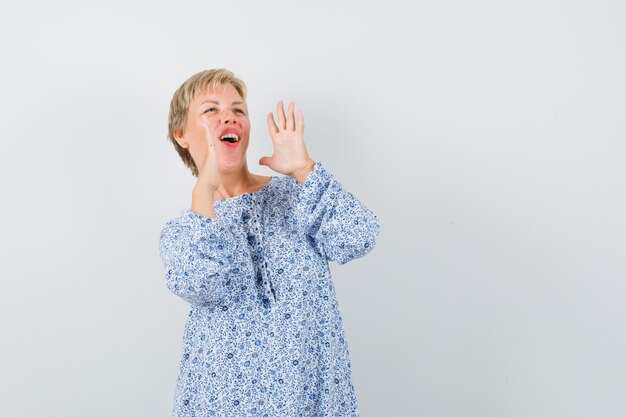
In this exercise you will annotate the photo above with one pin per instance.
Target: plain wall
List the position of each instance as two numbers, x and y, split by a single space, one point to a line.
488 137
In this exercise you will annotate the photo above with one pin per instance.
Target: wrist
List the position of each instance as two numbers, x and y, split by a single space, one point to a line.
301 174
203 187
202 201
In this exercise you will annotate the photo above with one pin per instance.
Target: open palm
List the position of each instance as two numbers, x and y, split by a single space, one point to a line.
290 154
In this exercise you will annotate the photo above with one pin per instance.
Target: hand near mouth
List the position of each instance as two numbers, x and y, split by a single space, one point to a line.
290 155
209 180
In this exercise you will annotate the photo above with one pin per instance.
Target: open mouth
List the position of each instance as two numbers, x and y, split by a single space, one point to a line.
230 137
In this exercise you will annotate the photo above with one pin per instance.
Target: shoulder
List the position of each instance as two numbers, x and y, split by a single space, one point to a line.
281 192
175 222
186 219
260 182
282 186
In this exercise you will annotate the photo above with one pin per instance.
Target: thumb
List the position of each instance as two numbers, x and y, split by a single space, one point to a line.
265 160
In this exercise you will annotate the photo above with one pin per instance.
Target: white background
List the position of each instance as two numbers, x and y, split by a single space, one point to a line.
488 137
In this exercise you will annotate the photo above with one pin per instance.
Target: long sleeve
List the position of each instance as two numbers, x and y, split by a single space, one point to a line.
196 252
337 224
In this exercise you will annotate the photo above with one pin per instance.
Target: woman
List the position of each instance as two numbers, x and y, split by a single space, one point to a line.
264 335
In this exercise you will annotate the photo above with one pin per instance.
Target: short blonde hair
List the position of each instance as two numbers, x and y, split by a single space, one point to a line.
179 106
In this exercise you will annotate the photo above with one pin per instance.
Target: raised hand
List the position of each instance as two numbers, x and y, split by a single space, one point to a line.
290 155
202 196
208 175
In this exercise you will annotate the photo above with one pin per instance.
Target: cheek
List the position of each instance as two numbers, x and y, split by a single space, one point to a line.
201 131
206 122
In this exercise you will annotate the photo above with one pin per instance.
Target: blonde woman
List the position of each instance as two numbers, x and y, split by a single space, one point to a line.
264 335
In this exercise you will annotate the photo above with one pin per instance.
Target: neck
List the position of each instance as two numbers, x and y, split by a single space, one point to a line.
236 182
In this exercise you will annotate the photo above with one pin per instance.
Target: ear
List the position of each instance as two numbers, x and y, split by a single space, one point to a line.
180 138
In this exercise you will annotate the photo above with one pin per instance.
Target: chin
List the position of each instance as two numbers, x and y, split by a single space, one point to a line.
232 166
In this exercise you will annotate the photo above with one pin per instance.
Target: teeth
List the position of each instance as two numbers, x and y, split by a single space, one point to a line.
230 136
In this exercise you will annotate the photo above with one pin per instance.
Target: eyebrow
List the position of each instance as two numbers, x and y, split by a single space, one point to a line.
217 102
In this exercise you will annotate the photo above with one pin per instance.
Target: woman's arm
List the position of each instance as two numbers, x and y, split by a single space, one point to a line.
197 247
338 225
196 252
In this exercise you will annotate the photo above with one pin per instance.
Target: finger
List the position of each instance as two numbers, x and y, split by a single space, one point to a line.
208 134
271 124
291 123
209 140
265 160
300 125
210 158
280 113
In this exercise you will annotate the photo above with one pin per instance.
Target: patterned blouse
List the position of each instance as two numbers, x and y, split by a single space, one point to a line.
264 335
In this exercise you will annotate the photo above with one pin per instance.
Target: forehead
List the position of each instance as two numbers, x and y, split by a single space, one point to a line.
223 94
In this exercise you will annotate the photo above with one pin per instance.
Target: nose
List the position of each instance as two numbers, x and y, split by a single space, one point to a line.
229 117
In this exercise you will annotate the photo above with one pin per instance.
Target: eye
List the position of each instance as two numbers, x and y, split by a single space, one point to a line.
240 111
210 109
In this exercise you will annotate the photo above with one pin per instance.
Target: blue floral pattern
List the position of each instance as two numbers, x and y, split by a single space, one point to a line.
264 335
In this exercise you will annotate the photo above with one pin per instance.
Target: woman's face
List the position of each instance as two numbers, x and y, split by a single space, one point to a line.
217 112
